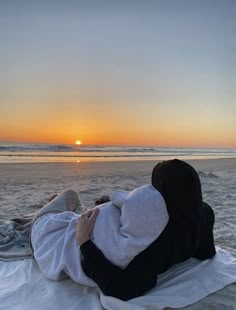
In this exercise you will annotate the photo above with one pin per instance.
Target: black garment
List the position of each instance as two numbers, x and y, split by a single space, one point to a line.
180 186
171 247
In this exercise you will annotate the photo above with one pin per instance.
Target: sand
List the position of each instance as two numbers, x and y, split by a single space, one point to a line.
24 188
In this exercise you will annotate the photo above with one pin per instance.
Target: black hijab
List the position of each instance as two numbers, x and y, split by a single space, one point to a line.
180 186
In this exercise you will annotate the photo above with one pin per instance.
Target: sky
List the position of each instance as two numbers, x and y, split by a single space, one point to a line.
126 72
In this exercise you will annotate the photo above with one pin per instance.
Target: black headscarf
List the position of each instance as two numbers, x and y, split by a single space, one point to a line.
180 186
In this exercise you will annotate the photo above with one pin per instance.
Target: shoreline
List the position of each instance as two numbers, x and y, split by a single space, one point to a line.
40 153
133 159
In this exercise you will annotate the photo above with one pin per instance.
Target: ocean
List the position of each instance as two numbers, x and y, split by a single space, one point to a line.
37 153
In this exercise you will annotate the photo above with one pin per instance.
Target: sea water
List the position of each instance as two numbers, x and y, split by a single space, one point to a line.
36 153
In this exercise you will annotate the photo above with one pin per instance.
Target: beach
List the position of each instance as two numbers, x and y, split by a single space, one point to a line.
25 187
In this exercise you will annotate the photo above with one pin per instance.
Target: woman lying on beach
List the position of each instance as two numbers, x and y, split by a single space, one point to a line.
188 233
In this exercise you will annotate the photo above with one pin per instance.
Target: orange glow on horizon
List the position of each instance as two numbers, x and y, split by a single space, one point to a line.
108 133
162 140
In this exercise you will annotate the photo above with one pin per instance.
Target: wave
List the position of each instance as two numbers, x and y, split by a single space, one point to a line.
72 148
35 147
103 148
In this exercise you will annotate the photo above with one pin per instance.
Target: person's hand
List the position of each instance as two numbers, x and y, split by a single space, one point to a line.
85 225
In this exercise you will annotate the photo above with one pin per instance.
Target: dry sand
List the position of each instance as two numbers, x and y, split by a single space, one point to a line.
24 188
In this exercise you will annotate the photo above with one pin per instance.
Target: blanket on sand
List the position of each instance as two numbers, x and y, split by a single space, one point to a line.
14 238
22 286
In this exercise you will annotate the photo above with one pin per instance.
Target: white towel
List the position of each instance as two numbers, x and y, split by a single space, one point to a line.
124 227
129 223
183 284
22 286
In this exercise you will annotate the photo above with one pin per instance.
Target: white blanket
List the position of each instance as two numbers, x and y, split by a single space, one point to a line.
124 228
23 287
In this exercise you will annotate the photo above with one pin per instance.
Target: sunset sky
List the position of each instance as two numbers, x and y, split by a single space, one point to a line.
118 72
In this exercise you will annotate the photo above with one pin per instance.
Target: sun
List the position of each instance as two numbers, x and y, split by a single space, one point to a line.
78 142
